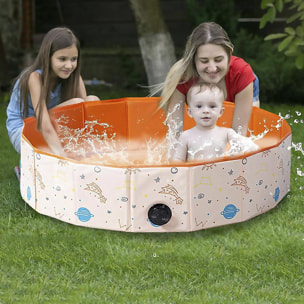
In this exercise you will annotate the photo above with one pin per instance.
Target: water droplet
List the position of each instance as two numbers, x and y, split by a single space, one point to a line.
300 172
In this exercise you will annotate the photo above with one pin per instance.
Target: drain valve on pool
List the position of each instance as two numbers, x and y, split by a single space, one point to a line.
159 214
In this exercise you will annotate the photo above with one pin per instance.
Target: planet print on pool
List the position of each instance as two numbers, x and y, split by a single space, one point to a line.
276 194
83 214
28 193
229 212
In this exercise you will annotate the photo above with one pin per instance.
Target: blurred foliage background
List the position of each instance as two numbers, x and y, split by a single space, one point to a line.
280 79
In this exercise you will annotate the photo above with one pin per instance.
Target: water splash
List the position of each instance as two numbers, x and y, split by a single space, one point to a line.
300 172
174 129
258 136
97 142
297 147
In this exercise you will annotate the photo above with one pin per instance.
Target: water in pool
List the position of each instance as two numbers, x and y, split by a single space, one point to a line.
107 148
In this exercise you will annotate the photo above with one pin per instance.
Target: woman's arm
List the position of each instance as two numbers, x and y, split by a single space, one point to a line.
47 129
242 109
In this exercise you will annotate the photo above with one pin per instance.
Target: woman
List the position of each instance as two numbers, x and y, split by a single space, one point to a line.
208 58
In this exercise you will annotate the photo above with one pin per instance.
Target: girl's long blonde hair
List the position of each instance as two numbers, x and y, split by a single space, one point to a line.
56 39
184 69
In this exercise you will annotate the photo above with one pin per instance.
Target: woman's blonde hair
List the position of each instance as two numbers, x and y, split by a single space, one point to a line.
56 39
184 69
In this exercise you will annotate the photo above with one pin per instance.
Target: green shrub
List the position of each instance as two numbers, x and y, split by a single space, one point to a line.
280 80
226 14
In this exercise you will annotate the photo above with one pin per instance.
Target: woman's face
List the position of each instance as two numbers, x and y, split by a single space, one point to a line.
212 63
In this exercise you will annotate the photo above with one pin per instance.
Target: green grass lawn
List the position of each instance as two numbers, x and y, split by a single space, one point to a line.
44 260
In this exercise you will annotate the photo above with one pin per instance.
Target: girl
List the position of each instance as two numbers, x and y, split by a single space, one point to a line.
53 79
208 58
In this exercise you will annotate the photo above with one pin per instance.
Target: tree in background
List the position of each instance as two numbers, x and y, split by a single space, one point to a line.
155 42
3 65
292 40
10 33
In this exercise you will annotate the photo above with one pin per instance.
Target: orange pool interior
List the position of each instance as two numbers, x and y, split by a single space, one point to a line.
136 119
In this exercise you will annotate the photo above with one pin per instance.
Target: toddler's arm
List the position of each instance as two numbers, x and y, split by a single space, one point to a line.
240 144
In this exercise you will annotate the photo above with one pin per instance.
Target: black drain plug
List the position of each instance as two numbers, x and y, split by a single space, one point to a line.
159 214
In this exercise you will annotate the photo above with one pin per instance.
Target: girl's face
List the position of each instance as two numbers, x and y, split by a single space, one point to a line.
64 62
212 63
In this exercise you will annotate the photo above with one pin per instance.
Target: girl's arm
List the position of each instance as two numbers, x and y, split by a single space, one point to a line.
82 92
82 96
47 129
242 109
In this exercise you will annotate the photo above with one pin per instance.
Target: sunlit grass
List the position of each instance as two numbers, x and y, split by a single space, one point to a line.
44 260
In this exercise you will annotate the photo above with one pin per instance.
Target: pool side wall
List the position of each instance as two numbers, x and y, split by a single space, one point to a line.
199 197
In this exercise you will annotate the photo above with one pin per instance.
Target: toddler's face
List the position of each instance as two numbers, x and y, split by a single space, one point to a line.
205 107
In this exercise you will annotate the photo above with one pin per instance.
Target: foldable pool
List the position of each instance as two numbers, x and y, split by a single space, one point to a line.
136 195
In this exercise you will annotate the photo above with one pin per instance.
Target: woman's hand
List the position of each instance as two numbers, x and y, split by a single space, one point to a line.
242 110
